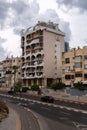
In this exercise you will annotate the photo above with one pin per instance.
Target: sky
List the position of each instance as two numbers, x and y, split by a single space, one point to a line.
15 15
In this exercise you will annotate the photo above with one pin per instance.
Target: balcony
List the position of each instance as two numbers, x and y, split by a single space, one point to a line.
34 41
78 69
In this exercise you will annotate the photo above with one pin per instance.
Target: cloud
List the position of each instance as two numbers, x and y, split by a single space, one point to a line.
2 50
65 27
51 15
80 4
24 14
20 14
4 9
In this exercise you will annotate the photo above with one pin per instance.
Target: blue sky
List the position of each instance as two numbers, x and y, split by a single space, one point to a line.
18 14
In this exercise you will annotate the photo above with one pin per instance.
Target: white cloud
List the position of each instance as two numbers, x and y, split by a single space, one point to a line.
18 14
80 4
12 43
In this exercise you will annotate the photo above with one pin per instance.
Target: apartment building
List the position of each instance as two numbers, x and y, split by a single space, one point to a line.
74 66
2 80
42 47
7 72
7 69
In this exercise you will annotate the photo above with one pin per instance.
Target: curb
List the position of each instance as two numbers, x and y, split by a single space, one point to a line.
33 113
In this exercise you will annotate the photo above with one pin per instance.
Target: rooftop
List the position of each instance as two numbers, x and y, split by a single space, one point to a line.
49 26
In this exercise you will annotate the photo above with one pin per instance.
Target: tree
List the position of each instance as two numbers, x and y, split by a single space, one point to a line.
15 68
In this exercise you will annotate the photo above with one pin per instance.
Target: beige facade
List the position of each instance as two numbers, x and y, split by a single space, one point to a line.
42 47
74 66
6 71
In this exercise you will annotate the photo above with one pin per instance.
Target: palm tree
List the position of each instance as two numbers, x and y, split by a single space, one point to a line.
15 68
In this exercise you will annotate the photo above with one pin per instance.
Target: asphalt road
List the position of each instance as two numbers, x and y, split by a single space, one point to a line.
52 116
57 102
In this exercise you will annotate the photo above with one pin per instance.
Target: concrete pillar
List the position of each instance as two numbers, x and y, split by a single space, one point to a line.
45 81
32 82
37 81
27 82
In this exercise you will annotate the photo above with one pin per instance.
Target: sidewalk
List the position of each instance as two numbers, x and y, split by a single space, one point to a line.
12 122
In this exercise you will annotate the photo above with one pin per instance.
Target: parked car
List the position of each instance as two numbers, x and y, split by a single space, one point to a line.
49 99
11 92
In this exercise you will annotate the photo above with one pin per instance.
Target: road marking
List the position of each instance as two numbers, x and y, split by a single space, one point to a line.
49 104
80 126
61 107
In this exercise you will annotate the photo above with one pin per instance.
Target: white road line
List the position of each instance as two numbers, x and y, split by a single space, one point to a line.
61 107
68 108
54 105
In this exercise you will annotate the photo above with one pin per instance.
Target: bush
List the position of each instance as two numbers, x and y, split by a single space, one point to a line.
35 87
80 86
25 89
18 84
56 86
17 89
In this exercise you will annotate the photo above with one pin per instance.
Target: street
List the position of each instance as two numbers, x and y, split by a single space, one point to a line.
51 116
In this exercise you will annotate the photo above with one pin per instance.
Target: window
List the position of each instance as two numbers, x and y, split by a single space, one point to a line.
78 58
72 76
85 57
78 65
85 66
78 75
67 67
67 60
85 76
67 76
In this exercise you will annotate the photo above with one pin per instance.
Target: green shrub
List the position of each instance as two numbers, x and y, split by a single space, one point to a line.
18 84
79 85
25 89
17 89
35 87
56 86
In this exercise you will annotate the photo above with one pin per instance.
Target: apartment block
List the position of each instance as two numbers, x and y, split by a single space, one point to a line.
7 72
42 47
74 66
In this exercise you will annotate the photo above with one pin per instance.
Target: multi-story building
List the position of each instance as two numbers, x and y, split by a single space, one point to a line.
74 66
66 46
2 79
7 69
42 48
7 72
